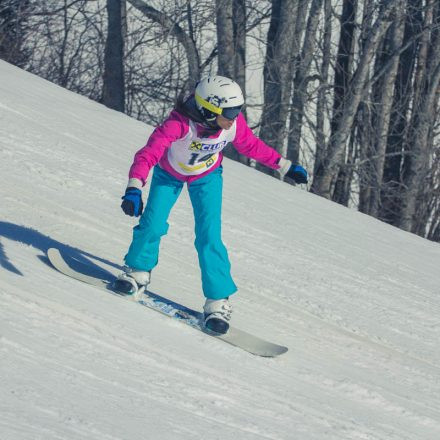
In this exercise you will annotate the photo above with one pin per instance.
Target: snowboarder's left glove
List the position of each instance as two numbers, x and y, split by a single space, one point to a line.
293 171
298 174
132 203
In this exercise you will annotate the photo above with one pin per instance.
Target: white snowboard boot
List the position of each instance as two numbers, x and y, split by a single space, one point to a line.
132 282
217 313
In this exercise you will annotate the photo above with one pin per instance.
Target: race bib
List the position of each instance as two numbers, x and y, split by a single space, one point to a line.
193 155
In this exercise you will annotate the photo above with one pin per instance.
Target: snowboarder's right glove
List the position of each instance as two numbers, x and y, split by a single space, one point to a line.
132 203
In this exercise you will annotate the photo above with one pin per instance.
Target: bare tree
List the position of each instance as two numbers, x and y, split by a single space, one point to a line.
427 83
300 81
171 27
382 99
225 38
278 68
396 145
371 102
67 45
14 31
113 93
343 74
430 226
240 30
231 44
328 169
321 105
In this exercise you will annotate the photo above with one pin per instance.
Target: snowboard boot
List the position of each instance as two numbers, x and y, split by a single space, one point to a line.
132 282
217 314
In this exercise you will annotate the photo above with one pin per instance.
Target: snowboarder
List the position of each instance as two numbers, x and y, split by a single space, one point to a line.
187 147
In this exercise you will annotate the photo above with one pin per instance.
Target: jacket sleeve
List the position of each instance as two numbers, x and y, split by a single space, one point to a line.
247 143
173 128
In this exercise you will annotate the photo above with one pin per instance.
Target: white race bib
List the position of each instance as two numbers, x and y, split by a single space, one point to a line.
193 155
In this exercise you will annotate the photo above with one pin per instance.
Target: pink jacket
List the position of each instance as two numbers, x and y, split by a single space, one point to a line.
176 127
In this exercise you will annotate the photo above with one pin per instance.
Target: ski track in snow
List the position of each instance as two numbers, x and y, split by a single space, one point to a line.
356 301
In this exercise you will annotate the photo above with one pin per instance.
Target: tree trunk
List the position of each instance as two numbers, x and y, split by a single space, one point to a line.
300 82
278 72
14 30
231 43
225 38
343 72
322 182
113 93
344 64
363 121
433 221
392 185
383 93
427 220
323 87
239 24
422 121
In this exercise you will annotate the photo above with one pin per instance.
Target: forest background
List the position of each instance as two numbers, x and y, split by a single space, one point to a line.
348 88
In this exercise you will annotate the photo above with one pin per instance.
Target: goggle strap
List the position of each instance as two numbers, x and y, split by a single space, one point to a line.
211 107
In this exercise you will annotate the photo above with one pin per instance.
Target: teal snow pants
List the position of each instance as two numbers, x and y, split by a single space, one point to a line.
206 199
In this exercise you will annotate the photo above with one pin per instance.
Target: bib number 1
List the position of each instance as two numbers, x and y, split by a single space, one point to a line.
207 159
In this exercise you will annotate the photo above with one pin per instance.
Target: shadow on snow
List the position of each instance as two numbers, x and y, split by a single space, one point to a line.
37 240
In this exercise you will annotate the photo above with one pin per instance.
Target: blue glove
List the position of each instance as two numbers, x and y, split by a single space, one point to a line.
297 173
132 203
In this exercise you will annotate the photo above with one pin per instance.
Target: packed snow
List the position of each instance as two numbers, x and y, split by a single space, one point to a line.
356 301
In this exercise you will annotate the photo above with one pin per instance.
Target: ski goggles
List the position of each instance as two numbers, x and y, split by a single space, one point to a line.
231 112
228 112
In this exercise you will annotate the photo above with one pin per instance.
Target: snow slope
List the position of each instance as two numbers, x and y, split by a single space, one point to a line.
356 301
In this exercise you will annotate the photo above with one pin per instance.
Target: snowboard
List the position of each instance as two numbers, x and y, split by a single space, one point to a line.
85 273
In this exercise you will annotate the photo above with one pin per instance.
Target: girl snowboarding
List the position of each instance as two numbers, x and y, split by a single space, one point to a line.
186 148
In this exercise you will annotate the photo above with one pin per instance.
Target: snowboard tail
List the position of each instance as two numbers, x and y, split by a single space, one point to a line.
239 338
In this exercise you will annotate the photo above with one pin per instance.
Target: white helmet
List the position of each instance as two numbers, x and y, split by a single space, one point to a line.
218 95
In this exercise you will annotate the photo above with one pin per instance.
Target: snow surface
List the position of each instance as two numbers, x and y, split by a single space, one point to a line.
356 301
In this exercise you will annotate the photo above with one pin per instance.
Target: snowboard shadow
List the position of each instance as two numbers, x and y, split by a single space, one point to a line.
37 240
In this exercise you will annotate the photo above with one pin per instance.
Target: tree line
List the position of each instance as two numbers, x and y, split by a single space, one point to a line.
349 88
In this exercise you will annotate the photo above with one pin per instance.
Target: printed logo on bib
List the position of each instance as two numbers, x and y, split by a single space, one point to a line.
200 146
